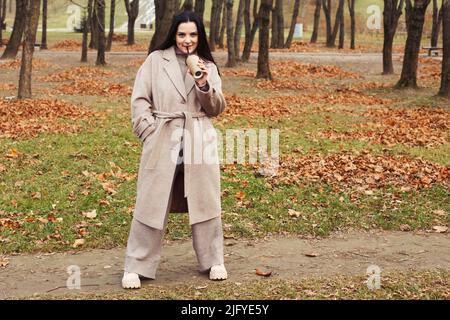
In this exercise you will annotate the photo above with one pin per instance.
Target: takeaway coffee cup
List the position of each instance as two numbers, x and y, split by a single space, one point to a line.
191 62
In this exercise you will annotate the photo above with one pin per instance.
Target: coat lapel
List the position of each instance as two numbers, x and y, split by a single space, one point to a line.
189 83
174 72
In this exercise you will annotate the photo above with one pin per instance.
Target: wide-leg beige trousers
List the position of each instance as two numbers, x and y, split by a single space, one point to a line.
143 252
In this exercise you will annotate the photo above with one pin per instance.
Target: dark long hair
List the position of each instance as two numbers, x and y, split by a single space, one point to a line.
203 49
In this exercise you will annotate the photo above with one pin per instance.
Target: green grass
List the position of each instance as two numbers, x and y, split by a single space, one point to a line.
407 285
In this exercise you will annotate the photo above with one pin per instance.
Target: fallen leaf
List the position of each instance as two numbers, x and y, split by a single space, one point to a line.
90 214
259 272
440 229
78 243
3 262
311 254
293 213
405 227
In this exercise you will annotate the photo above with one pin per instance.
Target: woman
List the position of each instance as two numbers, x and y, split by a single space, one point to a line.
171 115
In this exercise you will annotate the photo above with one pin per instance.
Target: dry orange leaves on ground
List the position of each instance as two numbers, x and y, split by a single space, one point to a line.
27 117
15 64
289 105
83 72
94 88
292 68
361 171
7 86
410 126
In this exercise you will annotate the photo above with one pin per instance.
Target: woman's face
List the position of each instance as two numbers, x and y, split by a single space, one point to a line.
187 37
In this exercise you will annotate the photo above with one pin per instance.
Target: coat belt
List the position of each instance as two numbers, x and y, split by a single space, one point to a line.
161 133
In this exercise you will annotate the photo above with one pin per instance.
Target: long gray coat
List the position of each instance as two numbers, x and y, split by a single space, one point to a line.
162 104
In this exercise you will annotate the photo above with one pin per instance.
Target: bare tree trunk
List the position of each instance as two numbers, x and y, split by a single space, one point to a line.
444 91
16 36
408 78
408 10
112 14
326 4
391 14
274 39
2 19
315 32
249 41
220 21
212 25
200 8
293 23
436 28
100 8
44 25
341 29
93 25
84 44
223 27
237 32
247 23
351 9
230 32
132 12
32 10
280 18
339 15
263 53
165 10
188 5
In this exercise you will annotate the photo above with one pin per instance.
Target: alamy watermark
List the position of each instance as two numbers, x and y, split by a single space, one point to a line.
374 277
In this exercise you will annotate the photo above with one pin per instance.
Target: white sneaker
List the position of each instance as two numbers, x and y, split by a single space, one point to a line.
131 280
218 272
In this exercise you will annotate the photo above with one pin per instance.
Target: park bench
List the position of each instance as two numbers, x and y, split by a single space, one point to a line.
432 49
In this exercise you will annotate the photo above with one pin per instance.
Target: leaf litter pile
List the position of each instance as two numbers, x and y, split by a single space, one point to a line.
15 64
28 117
359 171
423 126
83 72
94 88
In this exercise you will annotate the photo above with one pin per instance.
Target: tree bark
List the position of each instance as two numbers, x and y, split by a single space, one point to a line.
408 10
341 29
200 8
223 27
247 23
100 8
263 53
84 43
249 41
188 5
280 18
212 25
315 32
337 22
2 19
16 36
326 4
293 23
220 21
132 12
93 44
44 25
32 11
275 29
165 10
351 9
444 90
391 14
112 14
230 32
238 30
408 78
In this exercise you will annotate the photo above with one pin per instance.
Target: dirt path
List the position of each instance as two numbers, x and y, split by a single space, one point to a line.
347 254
